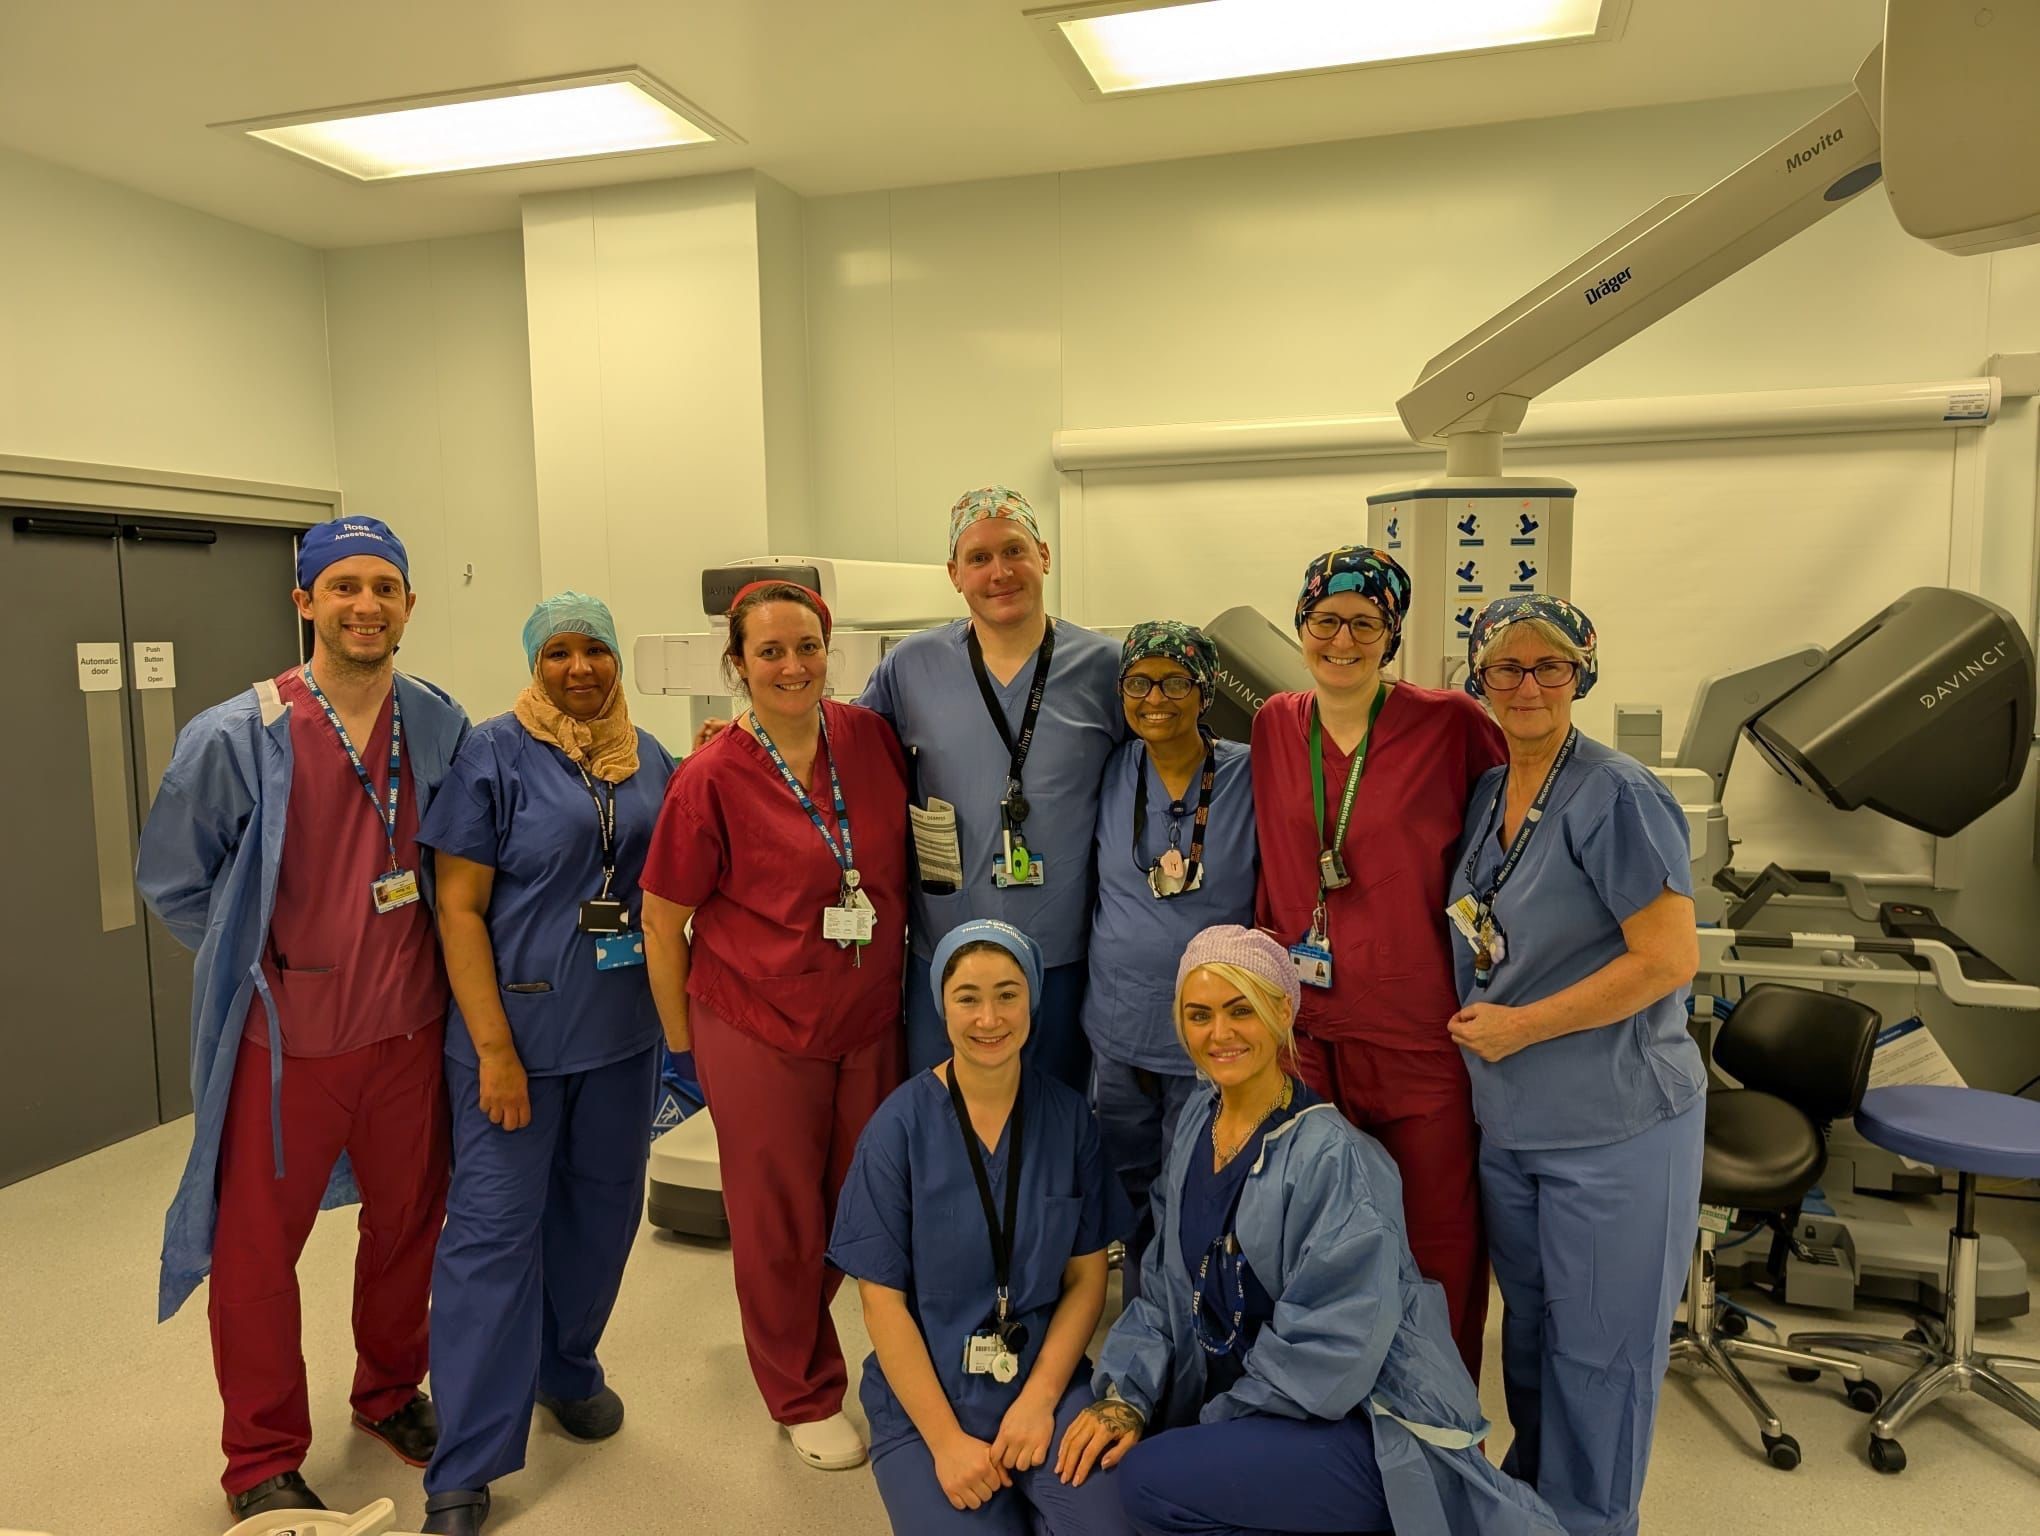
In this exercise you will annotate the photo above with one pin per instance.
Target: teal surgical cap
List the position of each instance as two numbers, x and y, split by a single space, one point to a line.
569 613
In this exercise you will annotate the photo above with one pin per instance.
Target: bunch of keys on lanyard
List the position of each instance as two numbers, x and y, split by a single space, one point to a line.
1312 954
1474 916
398 887
1172 874
993 1348
616 947
852 921
1016 864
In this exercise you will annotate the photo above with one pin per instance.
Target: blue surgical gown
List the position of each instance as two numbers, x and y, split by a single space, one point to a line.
519 805
1611 841
925 688
910 1218
1136 937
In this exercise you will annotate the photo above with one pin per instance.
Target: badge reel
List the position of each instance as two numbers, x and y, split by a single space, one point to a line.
1172 874
994 1349
1332 870
398 888
1312 954
1016 865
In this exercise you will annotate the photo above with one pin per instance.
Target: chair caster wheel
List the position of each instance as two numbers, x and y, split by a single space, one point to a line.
1783 1451
1733 1325
1802 1373
1866 1397
1887 1455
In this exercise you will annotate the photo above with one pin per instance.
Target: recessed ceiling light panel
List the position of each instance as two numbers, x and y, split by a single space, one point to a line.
542 122
1119 47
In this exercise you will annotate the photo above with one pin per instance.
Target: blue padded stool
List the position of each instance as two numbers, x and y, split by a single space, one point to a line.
1972 1132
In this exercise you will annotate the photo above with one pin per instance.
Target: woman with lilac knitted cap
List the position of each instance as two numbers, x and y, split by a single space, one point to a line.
1285 1366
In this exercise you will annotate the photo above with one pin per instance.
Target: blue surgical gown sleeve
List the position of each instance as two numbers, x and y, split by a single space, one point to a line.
1137 1358
874 1232
878 689
470 816
1637 848
200 812
1318 1357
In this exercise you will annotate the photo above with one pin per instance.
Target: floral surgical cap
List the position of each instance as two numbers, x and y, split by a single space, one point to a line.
1184 644
1369 572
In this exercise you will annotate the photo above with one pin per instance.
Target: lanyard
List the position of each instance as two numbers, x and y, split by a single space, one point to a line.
1530 820
388 818
1002 1236
1016 750
605 824
846 855
1204 784
1317 773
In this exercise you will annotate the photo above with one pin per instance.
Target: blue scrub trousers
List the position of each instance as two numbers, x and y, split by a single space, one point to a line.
1057 1045
1137 1112
1590 1247
1038 1504
1257 1473
539 1222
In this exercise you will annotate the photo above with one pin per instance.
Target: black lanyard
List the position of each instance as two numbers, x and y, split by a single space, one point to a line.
1016 750
1204 785
1530 820
1002 1236
605 825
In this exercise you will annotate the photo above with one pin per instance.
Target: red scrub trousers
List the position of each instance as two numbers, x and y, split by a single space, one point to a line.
785 1129
384 1105
1419 1106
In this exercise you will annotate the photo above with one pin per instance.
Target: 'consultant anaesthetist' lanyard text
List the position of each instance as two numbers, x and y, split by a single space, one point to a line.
388 817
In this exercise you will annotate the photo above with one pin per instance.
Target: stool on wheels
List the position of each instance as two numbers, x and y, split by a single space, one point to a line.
1972 1132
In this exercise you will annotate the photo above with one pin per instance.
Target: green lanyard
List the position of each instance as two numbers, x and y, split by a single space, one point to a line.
1330 865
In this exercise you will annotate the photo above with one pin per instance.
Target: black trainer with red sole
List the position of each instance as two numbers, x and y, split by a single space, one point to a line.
412 1431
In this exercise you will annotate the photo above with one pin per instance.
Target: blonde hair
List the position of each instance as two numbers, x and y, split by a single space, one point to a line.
1269 1002
1543 629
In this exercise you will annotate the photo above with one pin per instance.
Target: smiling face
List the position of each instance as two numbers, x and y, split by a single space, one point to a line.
985 1007
1157 719
1530 713
1227 1039
357 608
785 664
999 569
578 673
1346 663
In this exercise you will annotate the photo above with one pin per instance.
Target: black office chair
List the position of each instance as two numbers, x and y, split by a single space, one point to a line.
1803 1058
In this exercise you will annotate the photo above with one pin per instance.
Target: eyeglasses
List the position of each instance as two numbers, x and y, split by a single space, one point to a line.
1326 626
1173 687
1507 676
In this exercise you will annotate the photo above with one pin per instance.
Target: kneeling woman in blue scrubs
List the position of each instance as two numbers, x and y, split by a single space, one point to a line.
539 834
975 1220
1286 1367
1573 901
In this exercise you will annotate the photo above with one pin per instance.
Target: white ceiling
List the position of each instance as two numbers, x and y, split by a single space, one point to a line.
828 95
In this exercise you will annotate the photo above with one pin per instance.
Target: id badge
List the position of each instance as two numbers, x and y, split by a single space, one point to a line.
1465 916
849 924
619 951
1018 867
603 917
986 1354
1312 957
398 888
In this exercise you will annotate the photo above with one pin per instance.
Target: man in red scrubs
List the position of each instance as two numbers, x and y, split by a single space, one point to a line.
283 847
1360 790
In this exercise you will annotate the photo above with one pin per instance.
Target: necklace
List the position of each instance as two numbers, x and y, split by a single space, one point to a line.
1220 1155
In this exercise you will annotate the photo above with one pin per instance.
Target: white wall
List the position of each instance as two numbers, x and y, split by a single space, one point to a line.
432 416
140 334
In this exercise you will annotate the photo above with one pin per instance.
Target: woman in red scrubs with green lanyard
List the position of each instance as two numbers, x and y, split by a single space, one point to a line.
1360 791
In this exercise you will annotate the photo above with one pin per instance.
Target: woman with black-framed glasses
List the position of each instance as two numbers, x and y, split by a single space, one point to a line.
1575 949
1175 855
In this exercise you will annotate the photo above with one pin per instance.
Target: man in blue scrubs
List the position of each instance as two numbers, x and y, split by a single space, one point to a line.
1007 718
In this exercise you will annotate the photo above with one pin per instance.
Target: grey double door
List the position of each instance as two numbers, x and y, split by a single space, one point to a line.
117 629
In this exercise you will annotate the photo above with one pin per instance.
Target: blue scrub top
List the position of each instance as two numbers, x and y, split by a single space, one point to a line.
925 688
1137 938
518 805
1611 842
910 1218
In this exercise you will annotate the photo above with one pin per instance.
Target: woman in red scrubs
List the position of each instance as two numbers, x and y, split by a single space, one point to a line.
1360 791
784 839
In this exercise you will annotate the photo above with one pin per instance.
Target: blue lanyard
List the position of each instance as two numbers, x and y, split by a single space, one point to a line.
1530 820
387 818
845 856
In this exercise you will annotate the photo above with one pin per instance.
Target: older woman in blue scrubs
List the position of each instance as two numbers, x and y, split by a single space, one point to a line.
1286 1367
539 834
1575 952
975 1220
1175 854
